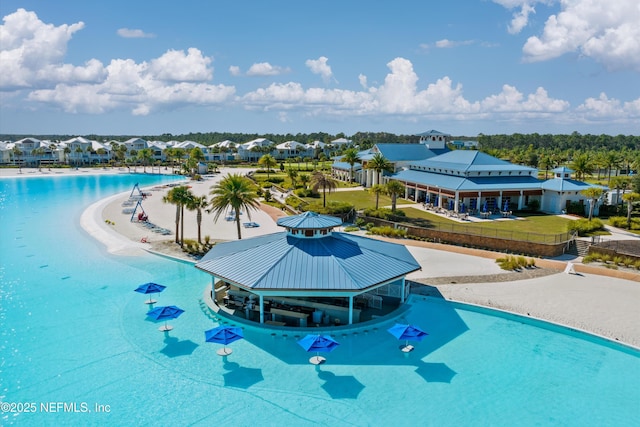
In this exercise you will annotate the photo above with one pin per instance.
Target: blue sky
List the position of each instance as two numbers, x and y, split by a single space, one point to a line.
462 67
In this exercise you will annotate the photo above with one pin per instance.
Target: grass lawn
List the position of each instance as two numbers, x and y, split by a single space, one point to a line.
361 199
529 223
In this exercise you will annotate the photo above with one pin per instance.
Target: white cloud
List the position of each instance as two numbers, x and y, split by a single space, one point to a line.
134 34
608 109
320 66
28 46
445 43
266 69
521 15
33 62
363 80
175 66
607 31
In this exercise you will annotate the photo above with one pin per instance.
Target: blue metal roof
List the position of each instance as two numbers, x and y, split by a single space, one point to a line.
338 262
469 161
346 166
432 132
461 183
556 184
406 152
309 220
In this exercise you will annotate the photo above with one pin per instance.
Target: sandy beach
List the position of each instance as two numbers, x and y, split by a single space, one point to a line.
591 300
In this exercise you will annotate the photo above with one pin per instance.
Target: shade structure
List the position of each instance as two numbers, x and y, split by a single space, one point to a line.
165 313
407 333
224 335
317 344
150 288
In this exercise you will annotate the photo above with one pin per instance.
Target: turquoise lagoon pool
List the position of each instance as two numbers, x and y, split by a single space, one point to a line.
75 340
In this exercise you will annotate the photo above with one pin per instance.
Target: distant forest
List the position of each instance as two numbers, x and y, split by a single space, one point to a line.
574 141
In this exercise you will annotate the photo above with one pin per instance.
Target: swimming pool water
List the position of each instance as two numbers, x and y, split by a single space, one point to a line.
73 331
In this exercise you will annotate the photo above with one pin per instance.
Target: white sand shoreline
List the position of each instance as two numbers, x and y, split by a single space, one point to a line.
601 305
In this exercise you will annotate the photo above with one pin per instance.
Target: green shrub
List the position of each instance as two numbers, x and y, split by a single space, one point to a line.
606 258
583 226
589 258
636 264
351 228
618 221
388 231
617 260
628 262
384 213
360 222
294 202
332 208
306 192
513 263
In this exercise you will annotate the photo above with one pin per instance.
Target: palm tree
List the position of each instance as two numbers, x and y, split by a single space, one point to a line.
320 180
377 189
101 152
582 165
351 156
144 156
610 161
379 164
394 188
305 178
293 176
593 193
619 182
198 204
630 198
79 151
267 161
234 192
179 196
66 151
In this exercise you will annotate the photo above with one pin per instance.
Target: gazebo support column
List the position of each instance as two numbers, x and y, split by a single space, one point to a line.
261 309
403 297
351 309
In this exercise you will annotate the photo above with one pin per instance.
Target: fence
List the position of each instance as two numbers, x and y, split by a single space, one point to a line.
536 244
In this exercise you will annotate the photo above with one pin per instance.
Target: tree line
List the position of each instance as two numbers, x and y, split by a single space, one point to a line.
573 141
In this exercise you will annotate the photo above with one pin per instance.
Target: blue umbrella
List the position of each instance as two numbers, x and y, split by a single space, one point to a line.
223 335
485 207
463 208
150 288
407 333
506 206
450 204
318 343
435 201
165 313
473 204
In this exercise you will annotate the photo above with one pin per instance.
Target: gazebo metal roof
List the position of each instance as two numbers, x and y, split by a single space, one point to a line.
340 262
309 221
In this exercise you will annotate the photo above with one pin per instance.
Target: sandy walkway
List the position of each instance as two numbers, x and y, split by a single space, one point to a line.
590 300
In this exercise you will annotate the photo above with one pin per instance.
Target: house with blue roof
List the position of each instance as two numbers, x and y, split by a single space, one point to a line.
308 272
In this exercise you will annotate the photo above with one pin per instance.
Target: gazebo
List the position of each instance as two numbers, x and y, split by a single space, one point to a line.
308 271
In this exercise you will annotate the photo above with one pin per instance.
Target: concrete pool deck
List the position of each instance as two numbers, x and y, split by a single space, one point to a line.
592 300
